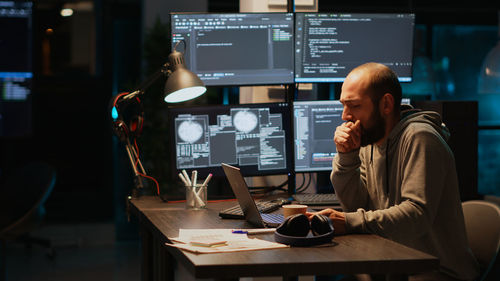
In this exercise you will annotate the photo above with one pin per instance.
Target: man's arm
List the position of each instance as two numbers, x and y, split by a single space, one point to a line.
425 162
347 173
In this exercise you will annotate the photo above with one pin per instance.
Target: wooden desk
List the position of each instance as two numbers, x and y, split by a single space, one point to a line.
350 254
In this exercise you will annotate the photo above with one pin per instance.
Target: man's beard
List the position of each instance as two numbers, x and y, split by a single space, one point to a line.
375 132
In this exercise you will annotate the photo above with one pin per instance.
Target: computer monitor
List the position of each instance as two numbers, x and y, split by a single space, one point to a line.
315 123
253 137
329 45
237 49
15 68
314 126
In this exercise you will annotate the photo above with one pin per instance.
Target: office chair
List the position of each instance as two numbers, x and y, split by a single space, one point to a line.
482 224
22 198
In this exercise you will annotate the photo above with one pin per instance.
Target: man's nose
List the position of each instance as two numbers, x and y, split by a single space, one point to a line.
346 115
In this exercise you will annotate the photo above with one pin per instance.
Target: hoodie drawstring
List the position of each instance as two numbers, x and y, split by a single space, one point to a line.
387 168
371 156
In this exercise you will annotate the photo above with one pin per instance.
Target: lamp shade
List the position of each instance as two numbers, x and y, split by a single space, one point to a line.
182 84
489 77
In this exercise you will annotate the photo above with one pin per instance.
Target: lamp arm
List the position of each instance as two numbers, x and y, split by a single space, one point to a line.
163 71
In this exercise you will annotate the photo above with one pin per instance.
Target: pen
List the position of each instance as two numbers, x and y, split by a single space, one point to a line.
207 179
254 231
183 179
186 177
194 177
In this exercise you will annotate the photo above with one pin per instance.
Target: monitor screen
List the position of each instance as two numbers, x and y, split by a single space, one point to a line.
237 49
15 68
314 126
315 123
329 46
252 136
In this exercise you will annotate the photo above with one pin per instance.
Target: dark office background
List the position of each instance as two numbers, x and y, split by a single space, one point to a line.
93 57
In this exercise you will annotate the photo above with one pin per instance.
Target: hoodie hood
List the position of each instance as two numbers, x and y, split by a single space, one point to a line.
415 115
408 116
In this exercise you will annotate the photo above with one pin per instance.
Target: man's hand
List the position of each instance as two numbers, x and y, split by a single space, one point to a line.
348 136
337 218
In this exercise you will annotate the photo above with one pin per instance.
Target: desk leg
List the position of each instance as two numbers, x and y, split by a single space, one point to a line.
164 267
147 255
3 260
157 263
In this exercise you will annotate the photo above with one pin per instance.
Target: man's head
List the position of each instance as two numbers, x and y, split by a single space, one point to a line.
372 94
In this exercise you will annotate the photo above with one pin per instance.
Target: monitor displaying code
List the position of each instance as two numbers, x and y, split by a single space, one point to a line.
237 49
329 45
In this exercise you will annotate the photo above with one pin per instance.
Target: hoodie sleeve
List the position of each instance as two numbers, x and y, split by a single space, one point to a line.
348 180
425 163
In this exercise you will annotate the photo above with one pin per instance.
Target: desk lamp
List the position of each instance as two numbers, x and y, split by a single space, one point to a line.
489 75
127 113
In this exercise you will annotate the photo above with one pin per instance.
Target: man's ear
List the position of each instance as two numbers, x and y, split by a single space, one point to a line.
387 104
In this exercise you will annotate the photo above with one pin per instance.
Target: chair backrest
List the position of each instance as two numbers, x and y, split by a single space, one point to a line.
23 195
482 223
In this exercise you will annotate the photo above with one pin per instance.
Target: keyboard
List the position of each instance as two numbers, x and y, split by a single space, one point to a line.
316 199
264 206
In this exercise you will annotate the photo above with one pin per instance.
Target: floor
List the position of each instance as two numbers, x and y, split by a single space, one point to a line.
82 252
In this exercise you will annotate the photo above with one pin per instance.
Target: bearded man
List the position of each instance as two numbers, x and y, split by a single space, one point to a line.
395 175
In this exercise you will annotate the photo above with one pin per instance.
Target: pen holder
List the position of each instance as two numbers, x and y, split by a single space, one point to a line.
196 197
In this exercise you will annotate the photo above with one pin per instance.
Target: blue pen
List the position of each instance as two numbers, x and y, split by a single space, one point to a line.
239 232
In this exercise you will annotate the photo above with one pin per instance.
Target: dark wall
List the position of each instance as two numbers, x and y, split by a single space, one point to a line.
461 118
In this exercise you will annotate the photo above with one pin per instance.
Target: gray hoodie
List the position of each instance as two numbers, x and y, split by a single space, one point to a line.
407 190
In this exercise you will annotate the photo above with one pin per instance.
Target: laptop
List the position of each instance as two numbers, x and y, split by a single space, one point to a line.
247 204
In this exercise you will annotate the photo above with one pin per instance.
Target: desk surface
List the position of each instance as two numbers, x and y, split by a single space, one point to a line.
363 253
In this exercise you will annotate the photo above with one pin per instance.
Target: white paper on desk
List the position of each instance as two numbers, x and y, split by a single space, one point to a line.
188 235
235 242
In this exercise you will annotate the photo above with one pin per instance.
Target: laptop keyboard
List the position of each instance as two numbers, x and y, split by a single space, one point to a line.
264 206
316 199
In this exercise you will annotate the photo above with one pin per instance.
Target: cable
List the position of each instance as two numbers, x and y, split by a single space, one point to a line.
302 186
266 189
156 182
299 189
144 175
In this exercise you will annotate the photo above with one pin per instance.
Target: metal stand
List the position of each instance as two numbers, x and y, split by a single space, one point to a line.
134 158
290 95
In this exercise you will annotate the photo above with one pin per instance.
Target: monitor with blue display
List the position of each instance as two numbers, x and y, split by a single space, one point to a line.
16 72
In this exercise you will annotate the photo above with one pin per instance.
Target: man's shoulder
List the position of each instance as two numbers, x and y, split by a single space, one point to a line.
424 134
419 128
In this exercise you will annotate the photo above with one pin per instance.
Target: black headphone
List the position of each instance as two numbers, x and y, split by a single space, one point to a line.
127 116
295 229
